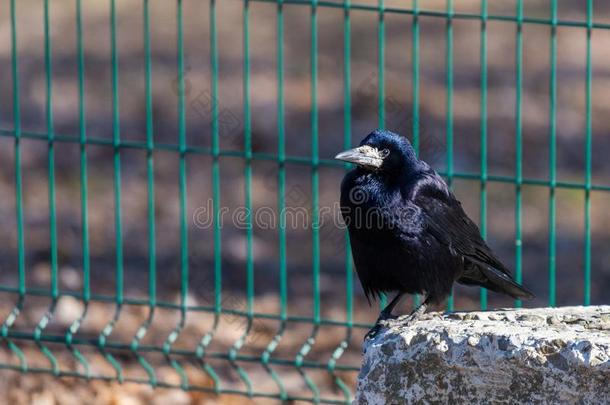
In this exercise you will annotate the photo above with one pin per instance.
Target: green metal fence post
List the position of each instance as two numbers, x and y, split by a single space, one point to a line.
483 125
116 145
381 65
415 76
182 197
315 232
449 106
243 375
215 153
518 146
150 202
18 170
50 151
21 289
46 318
281 204
84 191
381 87
415 127
588 159
553 156
347 141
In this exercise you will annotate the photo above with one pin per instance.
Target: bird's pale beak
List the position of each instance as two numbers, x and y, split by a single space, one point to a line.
365 156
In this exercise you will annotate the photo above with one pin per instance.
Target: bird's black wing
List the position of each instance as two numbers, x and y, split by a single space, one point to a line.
445 220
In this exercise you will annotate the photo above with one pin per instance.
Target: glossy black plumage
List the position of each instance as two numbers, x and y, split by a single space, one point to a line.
408 232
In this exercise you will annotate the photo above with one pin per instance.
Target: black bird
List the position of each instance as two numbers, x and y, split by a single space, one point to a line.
408 232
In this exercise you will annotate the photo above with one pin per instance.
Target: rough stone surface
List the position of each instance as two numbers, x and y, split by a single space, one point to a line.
526 356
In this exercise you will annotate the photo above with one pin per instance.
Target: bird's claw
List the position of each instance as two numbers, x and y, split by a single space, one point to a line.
372 332
408 320
414 316
383 321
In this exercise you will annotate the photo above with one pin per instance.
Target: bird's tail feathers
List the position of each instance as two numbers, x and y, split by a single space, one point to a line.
498 281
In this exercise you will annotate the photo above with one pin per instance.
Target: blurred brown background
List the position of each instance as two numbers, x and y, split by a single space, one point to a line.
398 75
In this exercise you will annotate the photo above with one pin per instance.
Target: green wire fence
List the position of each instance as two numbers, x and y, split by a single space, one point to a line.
202 354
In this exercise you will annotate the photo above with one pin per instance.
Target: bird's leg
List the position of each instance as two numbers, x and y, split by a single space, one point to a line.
386 313
417 312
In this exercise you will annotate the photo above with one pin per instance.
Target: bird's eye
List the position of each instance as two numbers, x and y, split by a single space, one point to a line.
384 153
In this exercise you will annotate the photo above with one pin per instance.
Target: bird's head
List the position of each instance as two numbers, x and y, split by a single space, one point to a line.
382 151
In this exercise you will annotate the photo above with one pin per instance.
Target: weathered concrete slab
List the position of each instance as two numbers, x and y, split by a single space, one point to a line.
528 356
